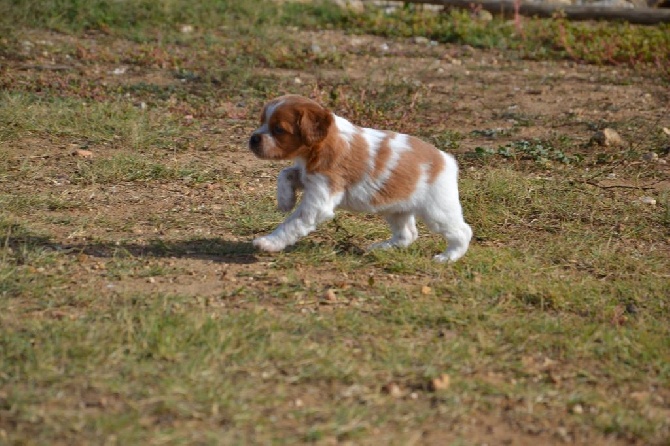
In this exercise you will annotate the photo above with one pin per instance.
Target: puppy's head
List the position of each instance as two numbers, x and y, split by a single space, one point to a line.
291 126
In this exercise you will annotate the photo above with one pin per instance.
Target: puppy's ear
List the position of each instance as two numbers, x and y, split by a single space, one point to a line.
314 124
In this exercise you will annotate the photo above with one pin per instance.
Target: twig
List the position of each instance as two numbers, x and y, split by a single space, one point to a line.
650 16
621 186
47 67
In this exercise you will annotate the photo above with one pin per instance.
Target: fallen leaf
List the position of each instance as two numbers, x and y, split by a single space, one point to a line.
330 295
619 317
83 153
426 290
440 383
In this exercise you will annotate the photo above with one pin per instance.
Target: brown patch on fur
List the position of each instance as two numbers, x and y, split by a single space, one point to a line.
402 182
427 154
383 155
345 163
406 174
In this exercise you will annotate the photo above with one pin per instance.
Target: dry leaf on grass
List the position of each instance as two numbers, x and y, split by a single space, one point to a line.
330 296
442 382
81 153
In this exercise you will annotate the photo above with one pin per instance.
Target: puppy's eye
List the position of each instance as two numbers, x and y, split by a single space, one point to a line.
278 130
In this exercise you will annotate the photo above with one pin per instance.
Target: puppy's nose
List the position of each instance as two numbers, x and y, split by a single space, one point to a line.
255 140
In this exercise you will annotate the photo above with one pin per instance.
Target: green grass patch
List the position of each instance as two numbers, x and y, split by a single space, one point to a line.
599 43
116 122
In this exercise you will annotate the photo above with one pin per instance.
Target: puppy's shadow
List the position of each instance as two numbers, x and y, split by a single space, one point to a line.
212 249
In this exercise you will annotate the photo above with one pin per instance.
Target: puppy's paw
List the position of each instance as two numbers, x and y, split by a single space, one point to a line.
269 243
447 257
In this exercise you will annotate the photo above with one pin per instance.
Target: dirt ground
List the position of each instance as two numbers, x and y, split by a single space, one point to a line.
187 229
476 90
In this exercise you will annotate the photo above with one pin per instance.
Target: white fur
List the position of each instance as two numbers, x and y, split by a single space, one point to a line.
436 203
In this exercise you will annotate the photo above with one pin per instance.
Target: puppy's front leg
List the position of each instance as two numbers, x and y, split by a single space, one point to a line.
288 184
317 206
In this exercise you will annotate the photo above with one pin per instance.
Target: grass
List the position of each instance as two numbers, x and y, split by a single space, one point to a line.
119 122
134 309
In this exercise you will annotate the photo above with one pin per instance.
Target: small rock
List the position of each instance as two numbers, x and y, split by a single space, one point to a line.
608 138
316 49
647 200
151 280
650 157
186 29
384 47
392 389
119 71
577 409
421 40
297 81
666 131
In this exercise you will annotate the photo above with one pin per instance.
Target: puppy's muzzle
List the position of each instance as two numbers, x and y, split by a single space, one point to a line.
255 143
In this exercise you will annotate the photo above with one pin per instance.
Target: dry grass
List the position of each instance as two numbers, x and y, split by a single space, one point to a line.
133 307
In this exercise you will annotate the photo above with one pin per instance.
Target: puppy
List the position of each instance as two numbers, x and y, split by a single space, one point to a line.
341 165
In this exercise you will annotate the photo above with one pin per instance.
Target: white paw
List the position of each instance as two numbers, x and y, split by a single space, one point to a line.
269 243
447 257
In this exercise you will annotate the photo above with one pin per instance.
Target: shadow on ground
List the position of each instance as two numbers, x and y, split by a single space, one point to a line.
212 249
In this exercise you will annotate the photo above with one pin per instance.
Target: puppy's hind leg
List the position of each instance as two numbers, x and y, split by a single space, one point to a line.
404 230
446 218
455 230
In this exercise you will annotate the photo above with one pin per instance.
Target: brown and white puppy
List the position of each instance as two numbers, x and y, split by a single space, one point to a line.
341 165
